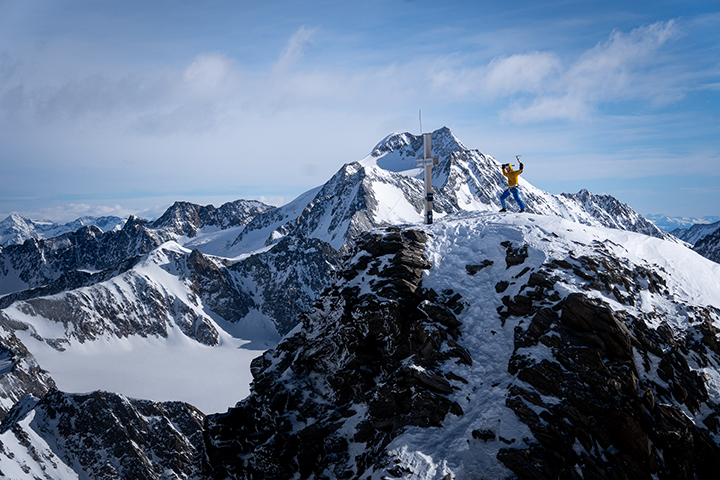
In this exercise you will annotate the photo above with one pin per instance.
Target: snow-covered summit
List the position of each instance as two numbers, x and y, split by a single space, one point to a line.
398 151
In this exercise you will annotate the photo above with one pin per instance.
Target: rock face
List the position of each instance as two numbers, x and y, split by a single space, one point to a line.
705 238
332 396
612 213
184 218
102 435
696 231
20 374
709 246
285 280
597 387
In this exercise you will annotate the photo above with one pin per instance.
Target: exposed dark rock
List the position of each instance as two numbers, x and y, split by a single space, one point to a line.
377 352
709 246
286 280
20 374
600 401
105 435
473 269
514 255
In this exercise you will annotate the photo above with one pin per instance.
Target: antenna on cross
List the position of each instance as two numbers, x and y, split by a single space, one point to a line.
427 162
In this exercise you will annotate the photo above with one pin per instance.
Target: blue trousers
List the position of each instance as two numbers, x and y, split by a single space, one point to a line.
516 195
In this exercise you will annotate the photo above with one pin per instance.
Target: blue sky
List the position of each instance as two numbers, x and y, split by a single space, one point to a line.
112 108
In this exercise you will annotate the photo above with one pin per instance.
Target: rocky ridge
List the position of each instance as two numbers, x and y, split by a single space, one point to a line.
599 384
709 246
696 232
16 229
704 237
361 369
20 373
89 250
506 346
101 435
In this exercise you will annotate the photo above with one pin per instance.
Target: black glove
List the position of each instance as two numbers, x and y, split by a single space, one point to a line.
521 166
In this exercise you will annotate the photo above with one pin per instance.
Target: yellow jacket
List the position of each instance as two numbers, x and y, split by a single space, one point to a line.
512 175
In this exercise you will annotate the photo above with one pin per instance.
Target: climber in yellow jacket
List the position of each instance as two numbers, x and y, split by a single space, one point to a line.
512 178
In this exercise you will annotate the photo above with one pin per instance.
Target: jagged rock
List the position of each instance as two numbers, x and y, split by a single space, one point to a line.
514 255
105 435
184 218
365 360
40 262
20 374
285 280
15 230
473 269
709 246
600 402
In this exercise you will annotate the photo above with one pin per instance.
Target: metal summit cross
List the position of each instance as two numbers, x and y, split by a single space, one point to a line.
428 161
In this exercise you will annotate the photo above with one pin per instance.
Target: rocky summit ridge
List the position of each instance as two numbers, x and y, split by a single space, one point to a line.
482 347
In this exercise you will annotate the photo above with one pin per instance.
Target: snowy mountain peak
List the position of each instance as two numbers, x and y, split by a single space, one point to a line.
397 152
386 188
185 218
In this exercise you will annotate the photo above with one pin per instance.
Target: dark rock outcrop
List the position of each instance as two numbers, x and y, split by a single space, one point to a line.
709 246
363 367
103 435
20 373
285 280
592 411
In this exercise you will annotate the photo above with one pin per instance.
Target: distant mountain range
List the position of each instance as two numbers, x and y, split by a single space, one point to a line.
16 229
668 224
576 337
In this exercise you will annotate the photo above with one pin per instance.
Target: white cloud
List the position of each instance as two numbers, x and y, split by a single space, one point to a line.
211 75
624 67
294 49
215 92
521 73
